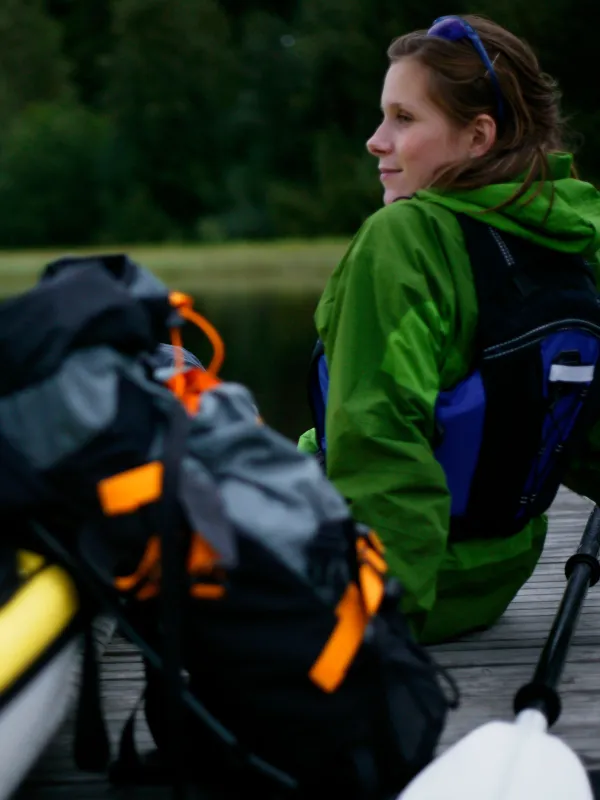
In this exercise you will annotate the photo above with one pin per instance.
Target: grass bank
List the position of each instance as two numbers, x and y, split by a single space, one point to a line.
240 267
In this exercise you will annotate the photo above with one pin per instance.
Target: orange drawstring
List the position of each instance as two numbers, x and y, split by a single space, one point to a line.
213 336
178 384
183 303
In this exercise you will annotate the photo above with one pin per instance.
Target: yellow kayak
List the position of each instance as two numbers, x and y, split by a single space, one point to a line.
40 648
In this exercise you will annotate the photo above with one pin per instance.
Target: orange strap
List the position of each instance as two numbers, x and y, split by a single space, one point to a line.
147 572
331 666
368 553
207 591
129 490
372 568
372 588
376 542
354 611
201 563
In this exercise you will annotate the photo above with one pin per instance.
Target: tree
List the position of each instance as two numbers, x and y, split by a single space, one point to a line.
227 118
53 176
86 43
265 139
170 80
32 68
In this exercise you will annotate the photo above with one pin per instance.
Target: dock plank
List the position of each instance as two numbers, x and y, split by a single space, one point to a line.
489 667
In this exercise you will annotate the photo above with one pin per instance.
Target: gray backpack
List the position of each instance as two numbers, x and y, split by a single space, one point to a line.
261 609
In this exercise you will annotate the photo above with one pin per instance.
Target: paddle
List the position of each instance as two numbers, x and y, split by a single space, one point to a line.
520 760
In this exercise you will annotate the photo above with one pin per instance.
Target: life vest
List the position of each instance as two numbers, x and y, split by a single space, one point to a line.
504 432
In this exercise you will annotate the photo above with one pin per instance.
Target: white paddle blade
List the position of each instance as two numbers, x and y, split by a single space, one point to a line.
504 761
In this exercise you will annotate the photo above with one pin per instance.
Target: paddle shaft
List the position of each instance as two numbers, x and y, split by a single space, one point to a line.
582 571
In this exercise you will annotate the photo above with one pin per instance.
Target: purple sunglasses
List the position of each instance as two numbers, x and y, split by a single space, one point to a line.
453 29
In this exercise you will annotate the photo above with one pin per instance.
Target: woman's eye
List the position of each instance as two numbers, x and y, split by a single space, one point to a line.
402 117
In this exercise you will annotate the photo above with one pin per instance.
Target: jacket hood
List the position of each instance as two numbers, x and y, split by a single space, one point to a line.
572 225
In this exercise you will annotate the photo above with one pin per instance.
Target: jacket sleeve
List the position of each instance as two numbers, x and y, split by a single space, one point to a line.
307 443
386 320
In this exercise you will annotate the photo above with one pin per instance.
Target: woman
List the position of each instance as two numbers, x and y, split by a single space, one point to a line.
470 125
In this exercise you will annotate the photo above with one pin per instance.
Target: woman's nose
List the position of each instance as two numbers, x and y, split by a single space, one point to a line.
379 144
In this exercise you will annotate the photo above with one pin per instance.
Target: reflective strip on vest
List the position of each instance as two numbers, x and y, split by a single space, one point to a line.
563 373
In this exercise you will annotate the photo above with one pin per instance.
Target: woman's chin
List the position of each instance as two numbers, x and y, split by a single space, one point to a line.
391 194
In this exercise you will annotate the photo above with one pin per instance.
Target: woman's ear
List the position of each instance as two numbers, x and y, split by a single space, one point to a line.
483 133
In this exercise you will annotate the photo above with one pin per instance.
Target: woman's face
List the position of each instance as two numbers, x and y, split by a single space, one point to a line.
415 138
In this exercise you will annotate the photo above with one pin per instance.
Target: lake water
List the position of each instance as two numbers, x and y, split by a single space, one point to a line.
268 342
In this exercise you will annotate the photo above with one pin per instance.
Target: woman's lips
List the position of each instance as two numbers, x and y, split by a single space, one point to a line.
384 174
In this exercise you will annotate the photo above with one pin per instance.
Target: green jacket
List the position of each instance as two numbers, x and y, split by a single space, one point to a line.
397 320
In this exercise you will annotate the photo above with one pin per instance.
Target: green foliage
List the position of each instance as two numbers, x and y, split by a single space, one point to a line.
87 43
171 79
209 120
32 68
52 181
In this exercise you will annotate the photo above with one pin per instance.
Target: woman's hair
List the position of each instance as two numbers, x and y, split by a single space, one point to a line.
532 125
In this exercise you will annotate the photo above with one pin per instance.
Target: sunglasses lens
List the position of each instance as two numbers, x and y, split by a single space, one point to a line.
453 29
448 28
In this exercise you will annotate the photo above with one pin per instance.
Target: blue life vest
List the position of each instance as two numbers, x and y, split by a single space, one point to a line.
503 433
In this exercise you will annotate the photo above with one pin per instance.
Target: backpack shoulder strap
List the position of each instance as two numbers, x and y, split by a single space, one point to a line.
514 279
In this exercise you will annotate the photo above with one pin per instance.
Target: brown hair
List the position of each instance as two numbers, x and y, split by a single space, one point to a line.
460 85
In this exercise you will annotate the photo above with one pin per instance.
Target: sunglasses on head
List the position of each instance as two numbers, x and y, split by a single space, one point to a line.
454 29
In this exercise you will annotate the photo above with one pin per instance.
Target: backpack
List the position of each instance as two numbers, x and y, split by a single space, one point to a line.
505 432
271 633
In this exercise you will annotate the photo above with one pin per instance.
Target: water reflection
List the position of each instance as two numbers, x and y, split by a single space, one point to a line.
268 340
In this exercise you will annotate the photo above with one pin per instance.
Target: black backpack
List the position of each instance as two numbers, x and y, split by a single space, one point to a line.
277 656
504 433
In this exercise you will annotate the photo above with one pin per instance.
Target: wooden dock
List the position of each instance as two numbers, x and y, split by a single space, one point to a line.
489 667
